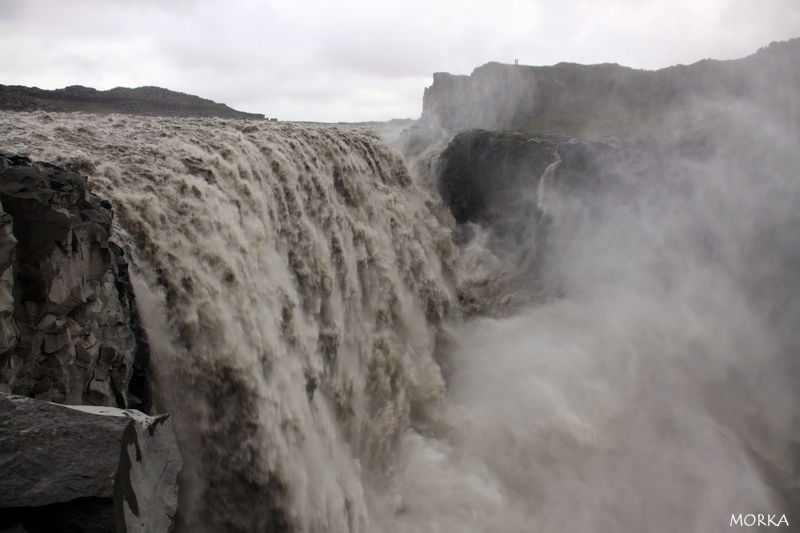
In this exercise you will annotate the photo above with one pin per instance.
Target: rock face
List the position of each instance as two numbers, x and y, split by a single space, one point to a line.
149 101
68 325
85 468
486 176
491 179
513 184
610 99
483 173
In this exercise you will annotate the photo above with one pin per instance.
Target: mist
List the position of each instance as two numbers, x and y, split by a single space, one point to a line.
575 332
651 382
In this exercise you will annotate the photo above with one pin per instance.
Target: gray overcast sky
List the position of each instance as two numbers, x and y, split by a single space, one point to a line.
354 60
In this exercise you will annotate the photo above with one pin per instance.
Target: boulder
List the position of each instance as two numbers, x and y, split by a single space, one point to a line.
87 468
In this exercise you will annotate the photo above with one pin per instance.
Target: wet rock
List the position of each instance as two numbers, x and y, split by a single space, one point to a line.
9 333
108 469
482 172
67 332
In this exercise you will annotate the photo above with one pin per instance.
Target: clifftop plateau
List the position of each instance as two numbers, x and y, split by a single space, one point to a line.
610 99
147 101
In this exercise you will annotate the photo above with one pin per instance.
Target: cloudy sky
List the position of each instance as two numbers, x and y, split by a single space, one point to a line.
352 60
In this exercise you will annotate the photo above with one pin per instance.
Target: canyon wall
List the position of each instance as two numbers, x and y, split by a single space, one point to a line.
612 100
70 328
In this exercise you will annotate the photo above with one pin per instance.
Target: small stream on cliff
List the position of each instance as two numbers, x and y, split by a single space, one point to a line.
300 290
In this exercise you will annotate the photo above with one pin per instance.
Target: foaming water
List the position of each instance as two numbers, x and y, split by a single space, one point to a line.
659 390
293 280
298 288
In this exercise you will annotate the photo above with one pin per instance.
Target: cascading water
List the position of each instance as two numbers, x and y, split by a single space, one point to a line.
299 291
292 280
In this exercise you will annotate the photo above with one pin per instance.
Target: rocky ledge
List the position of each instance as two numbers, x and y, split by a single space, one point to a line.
85 469
70 334
513 183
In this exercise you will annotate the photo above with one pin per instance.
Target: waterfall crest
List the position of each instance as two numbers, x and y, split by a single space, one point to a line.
293 280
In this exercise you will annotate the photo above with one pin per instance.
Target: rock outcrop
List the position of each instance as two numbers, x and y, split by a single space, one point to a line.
69 328
611 100
148 101
85 468
523 140
483 173
512 184
490 177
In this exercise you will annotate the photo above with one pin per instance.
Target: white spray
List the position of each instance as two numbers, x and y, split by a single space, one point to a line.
297 287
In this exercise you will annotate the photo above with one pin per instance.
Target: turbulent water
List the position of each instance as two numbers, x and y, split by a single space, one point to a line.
299 289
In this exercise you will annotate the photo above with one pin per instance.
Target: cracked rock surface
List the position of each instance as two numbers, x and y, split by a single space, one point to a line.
66 308
85 468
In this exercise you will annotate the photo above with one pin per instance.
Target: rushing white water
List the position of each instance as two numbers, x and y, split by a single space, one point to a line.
292 280
660 390
298 288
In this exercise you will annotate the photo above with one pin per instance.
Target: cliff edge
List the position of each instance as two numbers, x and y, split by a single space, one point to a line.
612 100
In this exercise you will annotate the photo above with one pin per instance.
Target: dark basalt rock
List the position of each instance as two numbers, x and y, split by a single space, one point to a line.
514 184
491 179
85 468
139 386
483 172
486 176
69 331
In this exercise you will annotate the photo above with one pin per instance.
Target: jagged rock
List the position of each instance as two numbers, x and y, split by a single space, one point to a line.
67 332
9 334
491 179
486 176
115 469
514 183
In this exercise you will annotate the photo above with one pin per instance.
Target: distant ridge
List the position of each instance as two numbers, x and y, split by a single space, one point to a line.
148 101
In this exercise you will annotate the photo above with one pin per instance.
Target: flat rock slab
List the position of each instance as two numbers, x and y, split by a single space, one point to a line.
52 453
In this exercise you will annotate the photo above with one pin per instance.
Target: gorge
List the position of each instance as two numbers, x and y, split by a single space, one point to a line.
581 317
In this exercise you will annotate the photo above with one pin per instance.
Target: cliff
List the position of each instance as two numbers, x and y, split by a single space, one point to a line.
70 334
148 101
69 327
508 127
612 100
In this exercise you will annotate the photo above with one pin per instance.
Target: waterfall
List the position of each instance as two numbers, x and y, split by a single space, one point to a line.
301 291
293 281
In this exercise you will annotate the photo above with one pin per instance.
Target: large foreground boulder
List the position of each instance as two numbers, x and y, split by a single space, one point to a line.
85 468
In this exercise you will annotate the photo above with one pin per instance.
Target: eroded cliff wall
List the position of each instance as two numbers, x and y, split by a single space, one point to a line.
612 100
69 329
